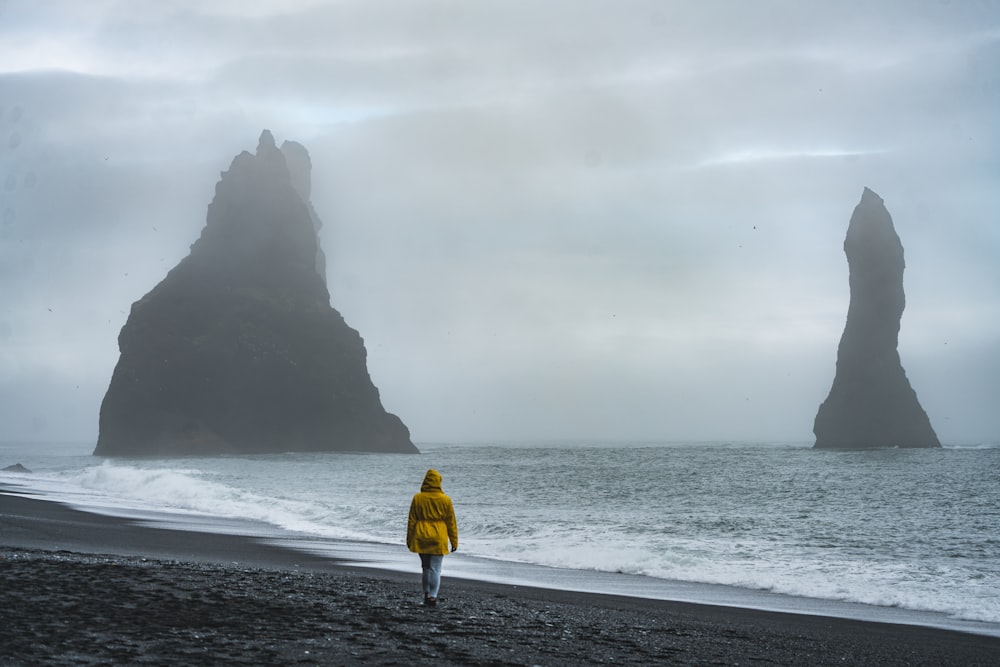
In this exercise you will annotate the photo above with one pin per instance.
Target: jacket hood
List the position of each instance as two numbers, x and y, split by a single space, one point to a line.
432 481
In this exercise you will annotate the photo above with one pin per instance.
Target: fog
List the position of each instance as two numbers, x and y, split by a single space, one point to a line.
561 220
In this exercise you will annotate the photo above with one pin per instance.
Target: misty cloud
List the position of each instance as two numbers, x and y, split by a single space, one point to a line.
560 219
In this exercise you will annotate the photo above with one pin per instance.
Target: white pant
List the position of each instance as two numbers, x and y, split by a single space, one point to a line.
431 579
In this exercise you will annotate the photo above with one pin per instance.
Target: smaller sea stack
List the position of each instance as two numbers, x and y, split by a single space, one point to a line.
871 404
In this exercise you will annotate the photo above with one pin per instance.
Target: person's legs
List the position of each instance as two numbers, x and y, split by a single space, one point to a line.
431 575
434 578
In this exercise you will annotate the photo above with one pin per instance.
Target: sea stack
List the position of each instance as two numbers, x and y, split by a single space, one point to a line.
871 404
238 350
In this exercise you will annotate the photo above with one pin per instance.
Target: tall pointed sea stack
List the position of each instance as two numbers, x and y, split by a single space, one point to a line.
871 403
238 350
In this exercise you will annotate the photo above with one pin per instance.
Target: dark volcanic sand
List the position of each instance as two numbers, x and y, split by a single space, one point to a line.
274 607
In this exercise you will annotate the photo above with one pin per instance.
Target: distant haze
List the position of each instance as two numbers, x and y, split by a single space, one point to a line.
559 220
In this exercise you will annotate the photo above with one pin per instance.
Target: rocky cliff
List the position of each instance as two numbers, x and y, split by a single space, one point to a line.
871 403
238 349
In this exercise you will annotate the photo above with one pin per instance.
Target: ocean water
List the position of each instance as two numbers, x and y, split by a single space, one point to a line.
906 529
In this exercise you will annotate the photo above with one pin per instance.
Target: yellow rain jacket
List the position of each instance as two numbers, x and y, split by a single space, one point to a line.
432 519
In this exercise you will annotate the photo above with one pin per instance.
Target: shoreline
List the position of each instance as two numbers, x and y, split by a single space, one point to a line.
249 601
396 561
617 584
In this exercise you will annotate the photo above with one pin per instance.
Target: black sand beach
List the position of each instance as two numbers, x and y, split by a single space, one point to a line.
81 589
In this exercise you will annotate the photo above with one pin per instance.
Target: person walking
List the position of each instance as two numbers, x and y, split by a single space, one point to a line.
430 527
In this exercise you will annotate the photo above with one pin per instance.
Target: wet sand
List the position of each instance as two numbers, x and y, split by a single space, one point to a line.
79 588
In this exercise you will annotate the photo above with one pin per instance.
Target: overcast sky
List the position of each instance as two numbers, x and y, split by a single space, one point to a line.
567 219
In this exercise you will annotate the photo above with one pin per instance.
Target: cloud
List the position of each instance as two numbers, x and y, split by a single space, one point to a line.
559 219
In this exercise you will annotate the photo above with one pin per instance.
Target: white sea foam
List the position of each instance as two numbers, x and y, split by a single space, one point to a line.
114 487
